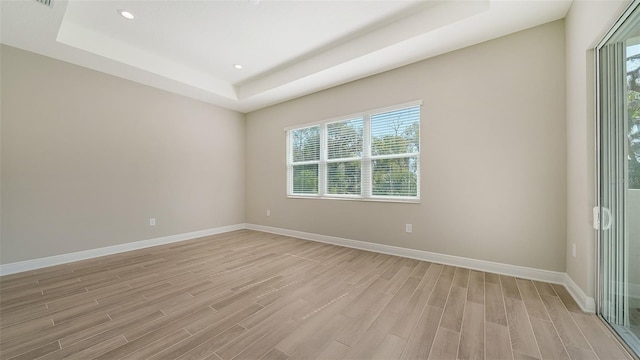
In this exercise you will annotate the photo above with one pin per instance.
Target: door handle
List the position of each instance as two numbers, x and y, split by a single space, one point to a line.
606 215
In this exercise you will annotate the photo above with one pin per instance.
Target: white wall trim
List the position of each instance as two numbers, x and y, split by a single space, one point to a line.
12 268
586 303
482 265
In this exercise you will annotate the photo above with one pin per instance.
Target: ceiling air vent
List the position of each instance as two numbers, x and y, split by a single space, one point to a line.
46 2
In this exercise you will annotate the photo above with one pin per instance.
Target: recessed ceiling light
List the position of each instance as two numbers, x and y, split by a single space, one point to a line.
126 14
237 66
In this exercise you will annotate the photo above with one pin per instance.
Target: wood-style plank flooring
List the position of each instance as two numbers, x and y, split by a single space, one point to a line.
252 295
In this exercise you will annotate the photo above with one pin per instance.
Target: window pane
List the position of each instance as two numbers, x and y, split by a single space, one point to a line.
396 132
344 139
343 178
305 179
395 177
305 144
633 108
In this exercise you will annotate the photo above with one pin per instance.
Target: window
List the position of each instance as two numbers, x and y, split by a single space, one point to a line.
370 156
305 150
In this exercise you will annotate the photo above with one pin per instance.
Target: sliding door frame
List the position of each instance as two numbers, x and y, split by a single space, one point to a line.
598 168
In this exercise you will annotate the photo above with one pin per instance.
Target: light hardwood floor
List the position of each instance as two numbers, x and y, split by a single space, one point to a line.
252 295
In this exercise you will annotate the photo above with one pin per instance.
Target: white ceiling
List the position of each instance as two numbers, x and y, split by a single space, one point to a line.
287 48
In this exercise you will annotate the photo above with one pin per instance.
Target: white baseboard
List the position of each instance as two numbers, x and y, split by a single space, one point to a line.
482 265
586 303
12 268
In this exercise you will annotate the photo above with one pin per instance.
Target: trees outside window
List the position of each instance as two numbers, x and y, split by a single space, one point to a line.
633 116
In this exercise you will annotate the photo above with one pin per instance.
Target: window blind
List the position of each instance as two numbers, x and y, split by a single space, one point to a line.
395 145
344 155
305 153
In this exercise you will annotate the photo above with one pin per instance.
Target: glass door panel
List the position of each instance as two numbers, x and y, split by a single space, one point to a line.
619 182
633 188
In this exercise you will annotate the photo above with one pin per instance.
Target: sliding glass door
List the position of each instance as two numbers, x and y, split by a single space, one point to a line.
619 179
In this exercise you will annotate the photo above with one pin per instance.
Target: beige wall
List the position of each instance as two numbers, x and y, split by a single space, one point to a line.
88 158
586 24
493 155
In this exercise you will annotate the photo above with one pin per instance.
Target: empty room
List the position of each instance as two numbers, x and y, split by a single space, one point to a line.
267 179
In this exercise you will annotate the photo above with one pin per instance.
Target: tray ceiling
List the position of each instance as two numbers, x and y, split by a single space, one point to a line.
286 48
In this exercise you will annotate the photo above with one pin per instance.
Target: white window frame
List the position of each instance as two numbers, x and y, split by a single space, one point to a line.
366 161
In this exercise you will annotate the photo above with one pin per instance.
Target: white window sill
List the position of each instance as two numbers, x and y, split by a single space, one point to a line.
348 198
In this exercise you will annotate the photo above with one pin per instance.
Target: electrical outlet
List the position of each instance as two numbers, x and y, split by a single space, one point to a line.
268 212
408 228
573 249
152 222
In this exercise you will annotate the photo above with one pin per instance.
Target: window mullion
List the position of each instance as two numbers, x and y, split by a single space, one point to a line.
289 164
310 162
366 157
322 166
395 156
